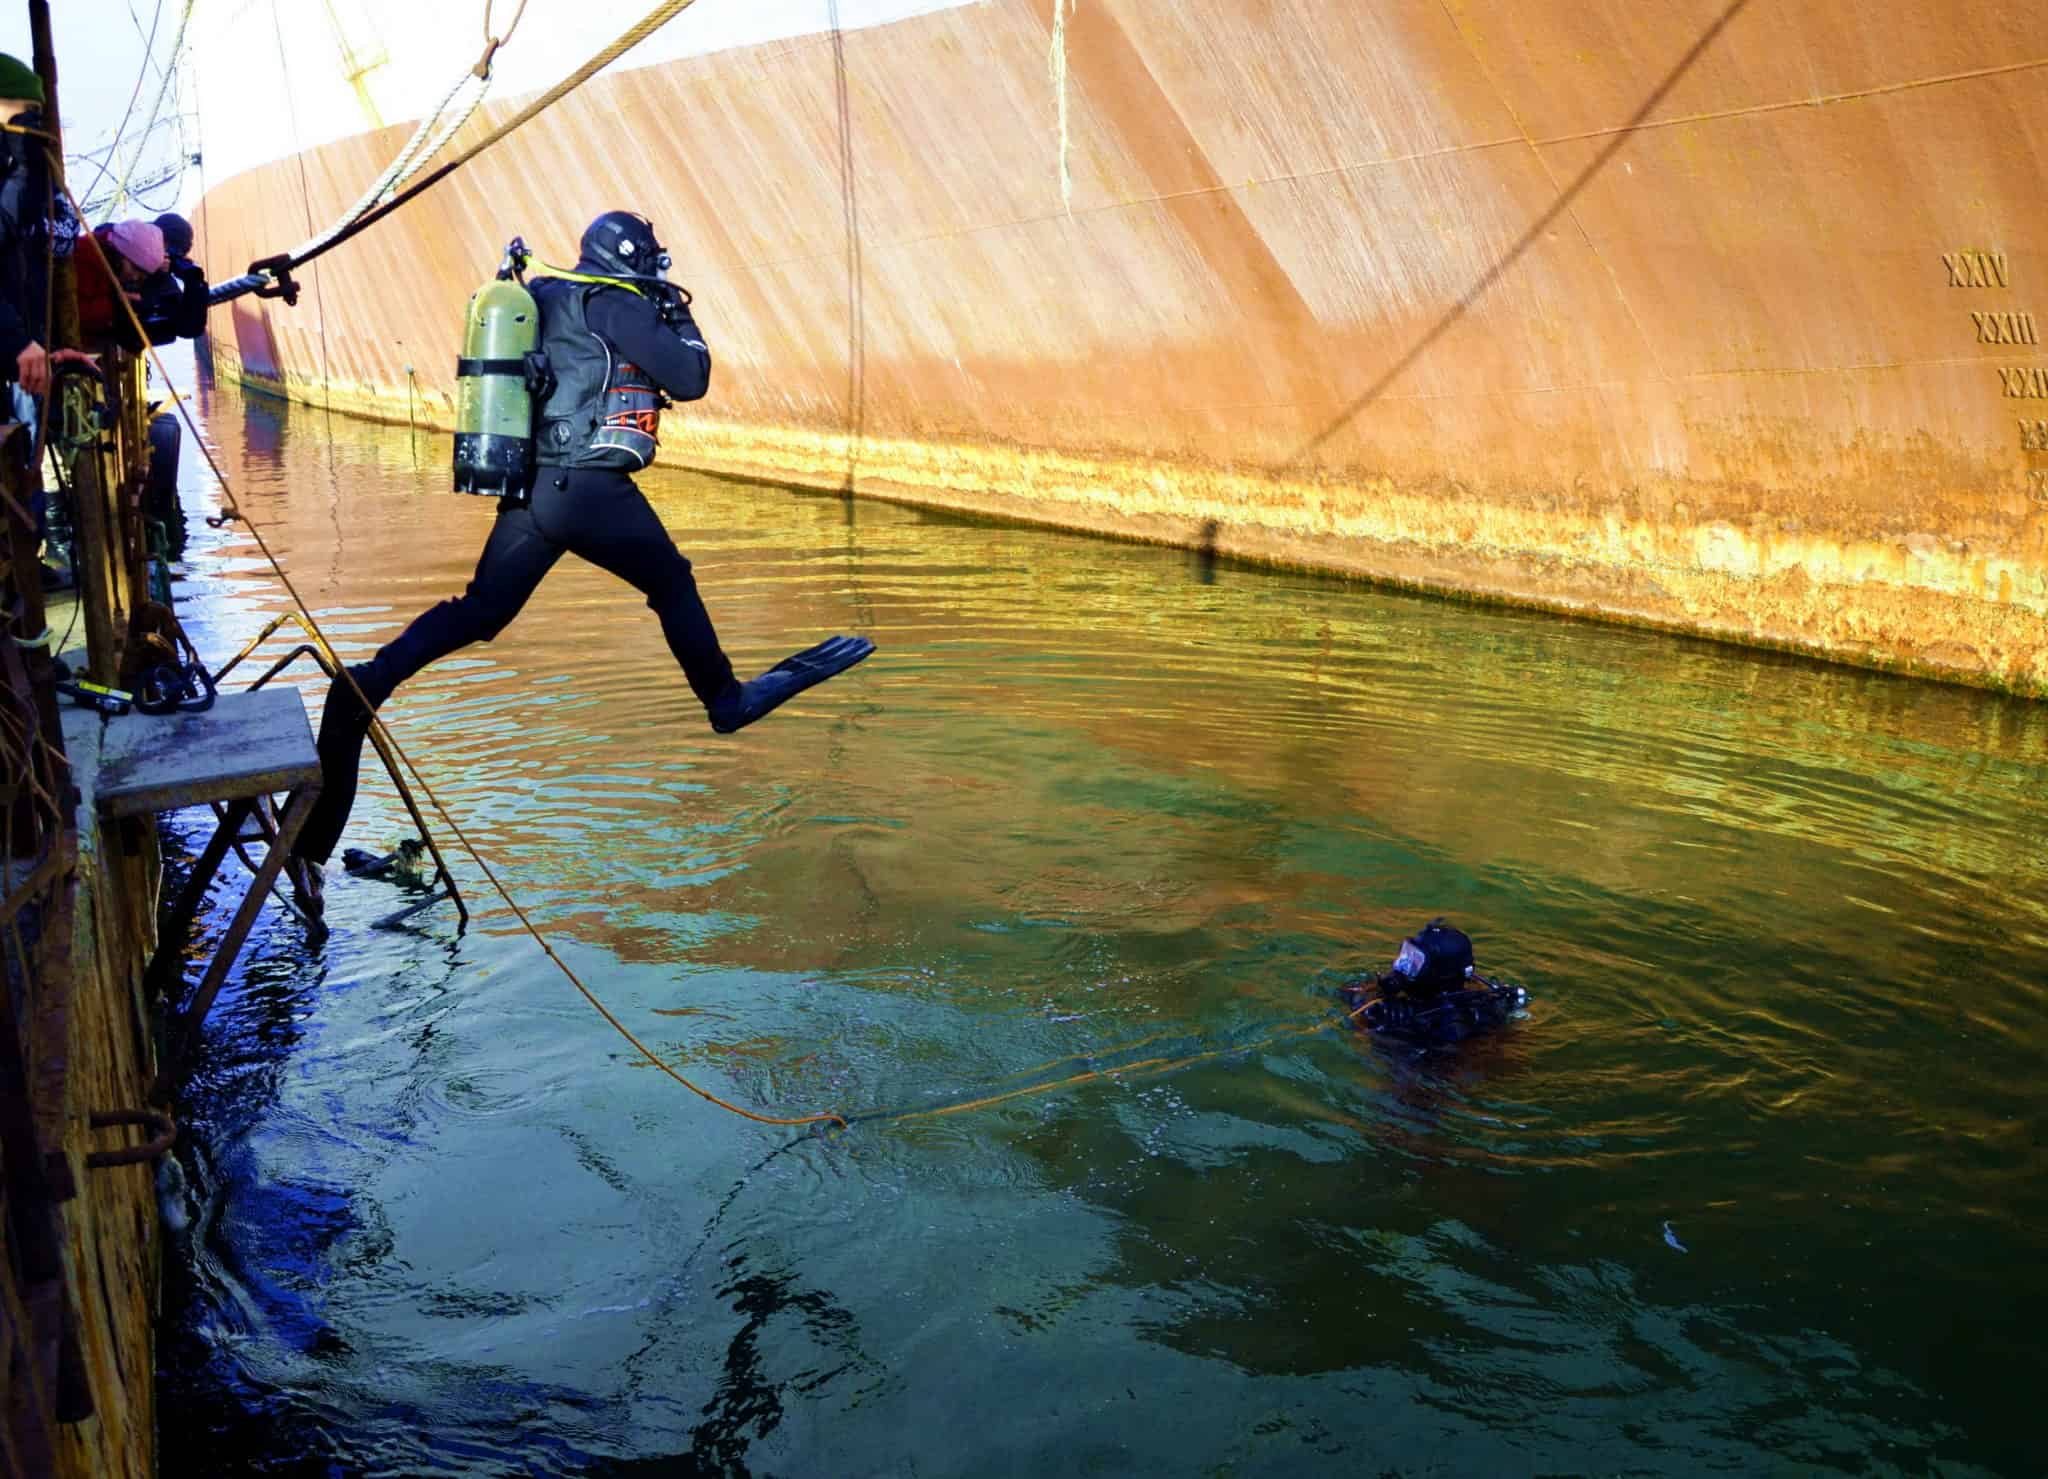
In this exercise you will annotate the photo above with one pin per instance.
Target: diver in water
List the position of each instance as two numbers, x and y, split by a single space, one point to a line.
620 343
1432 995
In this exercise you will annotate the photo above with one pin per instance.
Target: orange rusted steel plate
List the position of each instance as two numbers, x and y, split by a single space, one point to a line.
1717 315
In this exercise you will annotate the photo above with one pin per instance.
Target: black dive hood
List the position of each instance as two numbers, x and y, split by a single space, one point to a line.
622 245
1434 958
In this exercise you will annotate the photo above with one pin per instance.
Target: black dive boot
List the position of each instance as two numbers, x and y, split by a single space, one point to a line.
743 703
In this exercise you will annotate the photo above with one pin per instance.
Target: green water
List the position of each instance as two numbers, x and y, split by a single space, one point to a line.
1102 809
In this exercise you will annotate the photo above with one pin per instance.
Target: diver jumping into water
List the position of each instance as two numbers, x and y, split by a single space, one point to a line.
619 342
1432 995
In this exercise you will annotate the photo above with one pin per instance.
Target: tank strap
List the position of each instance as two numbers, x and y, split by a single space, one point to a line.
490 367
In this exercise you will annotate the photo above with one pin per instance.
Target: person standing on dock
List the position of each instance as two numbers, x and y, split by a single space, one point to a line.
36 228
618 337
24 213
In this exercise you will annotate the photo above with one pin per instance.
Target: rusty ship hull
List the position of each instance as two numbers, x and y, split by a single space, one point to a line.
1720 316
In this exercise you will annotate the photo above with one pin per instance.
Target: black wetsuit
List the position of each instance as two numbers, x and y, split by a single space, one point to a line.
1389 1006
597 514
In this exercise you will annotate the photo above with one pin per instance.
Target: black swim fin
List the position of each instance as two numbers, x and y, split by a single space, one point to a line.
743 703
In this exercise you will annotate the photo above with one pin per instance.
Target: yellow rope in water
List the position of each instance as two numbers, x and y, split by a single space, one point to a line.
1144 1065
313 626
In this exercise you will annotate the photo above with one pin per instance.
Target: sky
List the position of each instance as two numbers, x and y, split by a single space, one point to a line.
265 78
101 58
99 50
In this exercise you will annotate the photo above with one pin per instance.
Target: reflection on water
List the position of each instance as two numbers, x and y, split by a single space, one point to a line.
1125 815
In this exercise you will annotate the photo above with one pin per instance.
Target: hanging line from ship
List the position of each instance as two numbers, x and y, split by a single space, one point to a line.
121 190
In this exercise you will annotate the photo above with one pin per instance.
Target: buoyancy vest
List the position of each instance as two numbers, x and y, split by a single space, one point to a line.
604 410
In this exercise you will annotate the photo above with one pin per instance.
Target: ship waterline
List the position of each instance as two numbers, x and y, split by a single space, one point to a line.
1714 315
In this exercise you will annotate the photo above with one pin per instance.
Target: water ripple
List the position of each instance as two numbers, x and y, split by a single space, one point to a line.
1052 898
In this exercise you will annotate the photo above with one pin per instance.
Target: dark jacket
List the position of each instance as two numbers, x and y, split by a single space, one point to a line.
671 352
24 243
174 302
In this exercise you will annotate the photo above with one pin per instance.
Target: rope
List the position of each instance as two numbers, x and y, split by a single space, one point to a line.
313 625
148 51
1154 1065
256 278
1147 1065
170 72
492 43
426 141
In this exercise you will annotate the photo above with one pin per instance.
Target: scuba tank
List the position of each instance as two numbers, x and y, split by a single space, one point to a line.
499 379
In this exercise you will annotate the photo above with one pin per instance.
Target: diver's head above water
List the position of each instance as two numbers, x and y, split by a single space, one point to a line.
1432 993
1435 959
621 244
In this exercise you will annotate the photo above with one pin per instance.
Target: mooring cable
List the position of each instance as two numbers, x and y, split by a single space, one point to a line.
428 138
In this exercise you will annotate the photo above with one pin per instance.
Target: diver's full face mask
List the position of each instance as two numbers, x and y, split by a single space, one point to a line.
1409 963
652 262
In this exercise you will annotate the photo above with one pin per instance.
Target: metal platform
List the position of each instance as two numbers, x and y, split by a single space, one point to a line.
234 756
246 745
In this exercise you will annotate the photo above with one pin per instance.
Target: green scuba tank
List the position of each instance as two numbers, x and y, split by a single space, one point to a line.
497 381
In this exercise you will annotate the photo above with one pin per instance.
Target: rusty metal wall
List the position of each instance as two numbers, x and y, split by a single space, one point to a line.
1719 315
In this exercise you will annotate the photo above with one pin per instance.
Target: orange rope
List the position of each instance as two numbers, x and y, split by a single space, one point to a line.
1147 1065
1136 1042
313 625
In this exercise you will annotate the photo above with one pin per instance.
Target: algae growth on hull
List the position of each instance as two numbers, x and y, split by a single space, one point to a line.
1103 807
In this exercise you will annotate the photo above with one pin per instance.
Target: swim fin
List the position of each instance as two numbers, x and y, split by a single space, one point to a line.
743 703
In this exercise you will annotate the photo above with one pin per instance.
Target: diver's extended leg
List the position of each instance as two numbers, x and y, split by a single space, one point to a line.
603 517
515 559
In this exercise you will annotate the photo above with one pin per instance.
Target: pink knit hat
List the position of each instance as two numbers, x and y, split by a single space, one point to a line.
138 241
